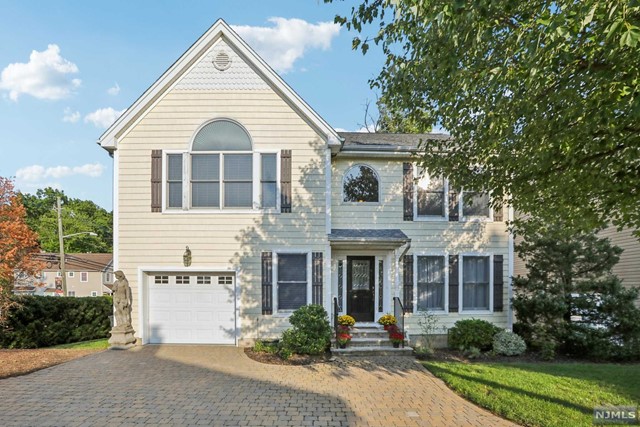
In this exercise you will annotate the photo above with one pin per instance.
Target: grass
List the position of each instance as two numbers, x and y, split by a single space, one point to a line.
86 345
542 394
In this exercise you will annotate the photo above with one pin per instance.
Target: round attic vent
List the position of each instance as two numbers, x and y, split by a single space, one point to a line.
222 61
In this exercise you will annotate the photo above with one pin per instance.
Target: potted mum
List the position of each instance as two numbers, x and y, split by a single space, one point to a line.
346 320
395 336
387 320
343 338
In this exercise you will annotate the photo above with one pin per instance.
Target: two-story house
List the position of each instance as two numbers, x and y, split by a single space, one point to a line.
88 274
235 203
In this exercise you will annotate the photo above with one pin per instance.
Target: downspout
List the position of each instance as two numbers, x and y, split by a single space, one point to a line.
510 280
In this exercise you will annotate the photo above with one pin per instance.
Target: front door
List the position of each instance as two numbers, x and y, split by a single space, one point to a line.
360 287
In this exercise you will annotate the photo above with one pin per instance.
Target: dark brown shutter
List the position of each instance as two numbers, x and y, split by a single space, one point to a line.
498 214
156 180
407 190
285 181
454 284
267 283
407 294
498 283
316 280
453 206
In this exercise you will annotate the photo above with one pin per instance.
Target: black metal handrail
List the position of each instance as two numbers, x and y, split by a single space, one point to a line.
398 312
336 310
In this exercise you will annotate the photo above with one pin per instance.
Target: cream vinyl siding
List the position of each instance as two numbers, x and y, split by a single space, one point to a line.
229 241
426 236
628 268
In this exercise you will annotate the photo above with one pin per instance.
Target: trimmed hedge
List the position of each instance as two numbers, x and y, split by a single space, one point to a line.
46 321
472 333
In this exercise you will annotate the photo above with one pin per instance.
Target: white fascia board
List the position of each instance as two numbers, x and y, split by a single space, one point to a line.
220 28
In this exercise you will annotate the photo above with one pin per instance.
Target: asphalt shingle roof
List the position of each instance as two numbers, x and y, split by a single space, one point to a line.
393 234
387 141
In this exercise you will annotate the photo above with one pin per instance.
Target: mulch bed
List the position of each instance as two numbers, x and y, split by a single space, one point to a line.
20 362
447 355
296 359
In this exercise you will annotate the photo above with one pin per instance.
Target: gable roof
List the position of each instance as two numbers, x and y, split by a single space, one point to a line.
109 139
366 141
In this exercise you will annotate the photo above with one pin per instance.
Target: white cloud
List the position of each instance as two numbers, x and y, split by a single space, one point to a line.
36 173
71 116
281 46
103 117
114 90
47 75
370 128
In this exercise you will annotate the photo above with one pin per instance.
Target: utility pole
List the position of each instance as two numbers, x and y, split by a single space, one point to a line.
61 243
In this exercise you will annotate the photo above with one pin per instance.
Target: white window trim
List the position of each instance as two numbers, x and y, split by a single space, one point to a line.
274 278
472 218
84 272
71 294
445 254
461 282
344 174
94 293
186 184
58 274
417 217
71 274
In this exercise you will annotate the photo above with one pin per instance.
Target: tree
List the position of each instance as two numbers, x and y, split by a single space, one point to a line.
542 98
570 298
18 243
77 216
393 121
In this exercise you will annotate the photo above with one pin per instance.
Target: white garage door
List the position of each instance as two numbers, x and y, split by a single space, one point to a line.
194 309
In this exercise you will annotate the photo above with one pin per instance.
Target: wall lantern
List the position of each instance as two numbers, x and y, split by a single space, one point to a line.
186 258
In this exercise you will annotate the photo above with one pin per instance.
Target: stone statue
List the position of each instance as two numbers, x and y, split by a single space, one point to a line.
122 334
122 301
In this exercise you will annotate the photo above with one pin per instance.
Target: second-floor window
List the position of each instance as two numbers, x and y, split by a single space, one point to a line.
430 196
84 276
360 184
475 204
221 172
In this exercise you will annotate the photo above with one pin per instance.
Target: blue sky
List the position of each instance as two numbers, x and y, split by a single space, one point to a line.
67 69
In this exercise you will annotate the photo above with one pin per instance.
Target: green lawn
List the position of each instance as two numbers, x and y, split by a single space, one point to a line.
86 345
542 394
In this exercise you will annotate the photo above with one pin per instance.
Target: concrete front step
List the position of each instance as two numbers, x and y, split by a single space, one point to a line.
370 333
370 342
372 351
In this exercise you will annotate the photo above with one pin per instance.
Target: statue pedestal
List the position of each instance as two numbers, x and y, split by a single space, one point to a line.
122 338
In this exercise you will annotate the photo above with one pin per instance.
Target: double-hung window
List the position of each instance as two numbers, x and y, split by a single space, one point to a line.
292 281
475 204
431 283
476 282
430 197
221 172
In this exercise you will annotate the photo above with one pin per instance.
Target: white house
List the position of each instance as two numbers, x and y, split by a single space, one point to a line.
279 210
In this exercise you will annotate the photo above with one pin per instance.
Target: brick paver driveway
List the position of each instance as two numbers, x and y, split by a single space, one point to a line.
208 385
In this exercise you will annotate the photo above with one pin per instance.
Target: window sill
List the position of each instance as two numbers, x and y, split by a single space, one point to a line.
475 312
436 312
360 203
476 219
430 218
220 211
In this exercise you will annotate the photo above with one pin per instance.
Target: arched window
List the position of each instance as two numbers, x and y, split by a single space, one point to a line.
360 184
220 171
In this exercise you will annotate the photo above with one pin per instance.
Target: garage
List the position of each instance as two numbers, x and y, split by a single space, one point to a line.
191 308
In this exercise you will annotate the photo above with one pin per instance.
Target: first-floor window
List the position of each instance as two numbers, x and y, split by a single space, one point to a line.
94 294
71 293
431 286
292 281
475 282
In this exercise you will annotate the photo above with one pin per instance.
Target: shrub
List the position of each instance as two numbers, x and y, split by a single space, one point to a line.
46 321
473 352
311 332
508 344
472 333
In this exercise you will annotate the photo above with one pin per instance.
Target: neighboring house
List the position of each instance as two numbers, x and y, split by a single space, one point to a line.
235 204
87 274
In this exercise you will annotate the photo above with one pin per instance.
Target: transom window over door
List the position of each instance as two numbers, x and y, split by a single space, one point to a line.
219 171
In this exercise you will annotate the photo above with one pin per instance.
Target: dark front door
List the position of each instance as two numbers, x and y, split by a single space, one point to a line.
360 287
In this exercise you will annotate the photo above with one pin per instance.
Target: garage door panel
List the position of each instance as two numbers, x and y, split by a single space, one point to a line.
191 314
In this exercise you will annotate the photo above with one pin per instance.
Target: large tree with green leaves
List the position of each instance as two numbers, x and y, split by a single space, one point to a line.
542 98
77 216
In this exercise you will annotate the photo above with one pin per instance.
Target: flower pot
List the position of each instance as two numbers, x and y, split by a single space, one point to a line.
396 344
342 345
386 327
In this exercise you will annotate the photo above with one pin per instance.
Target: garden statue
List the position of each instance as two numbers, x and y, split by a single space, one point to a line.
122 334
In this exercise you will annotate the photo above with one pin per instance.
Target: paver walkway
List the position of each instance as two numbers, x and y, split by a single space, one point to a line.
220 386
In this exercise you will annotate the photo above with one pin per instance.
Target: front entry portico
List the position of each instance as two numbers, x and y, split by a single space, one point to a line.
365 271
